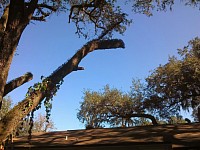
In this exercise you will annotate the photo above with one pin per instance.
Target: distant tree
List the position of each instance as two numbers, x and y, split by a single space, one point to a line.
40 124
114 108
176 85
7 105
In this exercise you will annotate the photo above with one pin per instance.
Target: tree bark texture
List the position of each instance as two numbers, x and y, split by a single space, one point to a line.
15 83
13 22
11 120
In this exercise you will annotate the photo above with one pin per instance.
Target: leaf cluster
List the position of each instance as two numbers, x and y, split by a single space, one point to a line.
148 6
111 107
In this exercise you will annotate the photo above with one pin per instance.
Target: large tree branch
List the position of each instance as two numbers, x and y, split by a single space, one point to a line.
9 40
152 118
16 12
115 113
43 14
72 64
10 86
11 120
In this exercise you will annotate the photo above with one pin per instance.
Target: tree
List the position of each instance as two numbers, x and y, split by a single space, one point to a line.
176 84
15 17
40 124
114 108
7 103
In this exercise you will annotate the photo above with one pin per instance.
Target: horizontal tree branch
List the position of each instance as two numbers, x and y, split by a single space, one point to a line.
10 86
152 118
40 18
78 68
68 67
12 118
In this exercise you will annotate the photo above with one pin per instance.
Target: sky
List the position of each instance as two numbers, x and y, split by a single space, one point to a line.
149 41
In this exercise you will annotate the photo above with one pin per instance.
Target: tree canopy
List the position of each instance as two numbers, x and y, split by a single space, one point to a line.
176 84
114 108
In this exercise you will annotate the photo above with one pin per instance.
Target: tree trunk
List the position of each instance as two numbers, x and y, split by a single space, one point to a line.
12 23
11 120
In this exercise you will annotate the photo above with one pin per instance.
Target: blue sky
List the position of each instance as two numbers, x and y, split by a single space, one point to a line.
149 42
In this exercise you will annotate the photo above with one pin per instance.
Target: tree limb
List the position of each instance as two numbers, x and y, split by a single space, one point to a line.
68 67
11 120
10 86
40 18
43 15
16 12
152 118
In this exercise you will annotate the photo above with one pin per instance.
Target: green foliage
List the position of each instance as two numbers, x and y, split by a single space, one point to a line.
49 91
112 107
148 6
176 84
170 88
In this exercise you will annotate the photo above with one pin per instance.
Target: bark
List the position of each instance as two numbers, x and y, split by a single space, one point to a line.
152 118
10 86
11 120
15 21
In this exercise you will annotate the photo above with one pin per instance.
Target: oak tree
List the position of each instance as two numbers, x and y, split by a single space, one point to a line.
114 108
176 85
16 15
